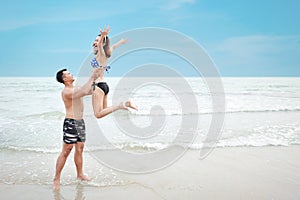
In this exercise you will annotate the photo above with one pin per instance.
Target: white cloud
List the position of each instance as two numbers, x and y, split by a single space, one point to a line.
69 50
175 4
15 24
258 50
58 15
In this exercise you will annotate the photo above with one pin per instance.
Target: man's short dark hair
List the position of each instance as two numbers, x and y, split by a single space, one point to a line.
59 75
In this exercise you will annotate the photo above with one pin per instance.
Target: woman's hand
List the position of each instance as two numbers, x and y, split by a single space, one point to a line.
105 31
123 41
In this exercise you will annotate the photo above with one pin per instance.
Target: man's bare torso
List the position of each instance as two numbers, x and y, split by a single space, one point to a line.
74 106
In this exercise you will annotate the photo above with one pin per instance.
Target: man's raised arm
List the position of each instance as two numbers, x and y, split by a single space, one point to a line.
86 89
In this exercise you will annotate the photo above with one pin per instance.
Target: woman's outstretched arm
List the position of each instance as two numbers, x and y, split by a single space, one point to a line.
122 41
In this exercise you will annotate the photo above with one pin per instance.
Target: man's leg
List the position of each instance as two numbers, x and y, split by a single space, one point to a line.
60 163
78 161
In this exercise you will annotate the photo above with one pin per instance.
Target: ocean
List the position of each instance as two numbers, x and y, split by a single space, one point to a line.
258 112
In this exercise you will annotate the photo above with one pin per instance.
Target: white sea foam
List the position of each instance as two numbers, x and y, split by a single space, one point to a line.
32 113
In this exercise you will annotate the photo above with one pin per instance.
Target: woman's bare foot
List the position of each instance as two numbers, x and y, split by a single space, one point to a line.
128 104
56 185
83 178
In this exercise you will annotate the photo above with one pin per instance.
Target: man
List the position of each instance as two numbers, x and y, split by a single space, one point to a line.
74 127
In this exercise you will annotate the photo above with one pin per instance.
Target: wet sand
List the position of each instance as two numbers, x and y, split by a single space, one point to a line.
227 173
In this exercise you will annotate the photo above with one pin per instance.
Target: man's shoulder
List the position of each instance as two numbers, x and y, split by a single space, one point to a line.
67 91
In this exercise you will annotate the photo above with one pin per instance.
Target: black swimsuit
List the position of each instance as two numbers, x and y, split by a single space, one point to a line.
103 86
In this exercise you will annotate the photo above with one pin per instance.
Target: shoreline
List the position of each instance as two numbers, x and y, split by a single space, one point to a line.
271 172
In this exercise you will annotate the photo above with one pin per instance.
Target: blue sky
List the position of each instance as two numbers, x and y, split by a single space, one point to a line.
244 38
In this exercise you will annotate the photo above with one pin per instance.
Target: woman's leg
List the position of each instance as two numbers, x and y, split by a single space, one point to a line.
99 100
129 104
105 102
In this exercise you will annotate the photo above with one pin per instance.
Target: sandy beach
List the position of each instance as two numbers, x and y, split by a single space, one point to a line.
227 173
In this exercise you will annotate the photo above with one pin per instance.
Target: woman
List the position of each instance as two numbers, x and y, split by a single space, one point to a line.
103 51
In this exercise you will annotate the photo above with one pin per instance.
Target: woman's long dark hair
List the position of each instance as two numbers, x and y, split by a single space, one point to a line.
106 46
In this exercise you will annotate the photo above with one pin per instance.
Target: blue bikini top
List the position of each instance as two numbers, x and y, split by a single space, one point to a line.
95 64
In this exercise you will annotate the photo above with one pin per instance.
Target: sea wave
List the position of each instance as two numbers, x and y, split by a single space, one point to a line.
47 115
264 110
178 113
58 115
153 147
43 150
